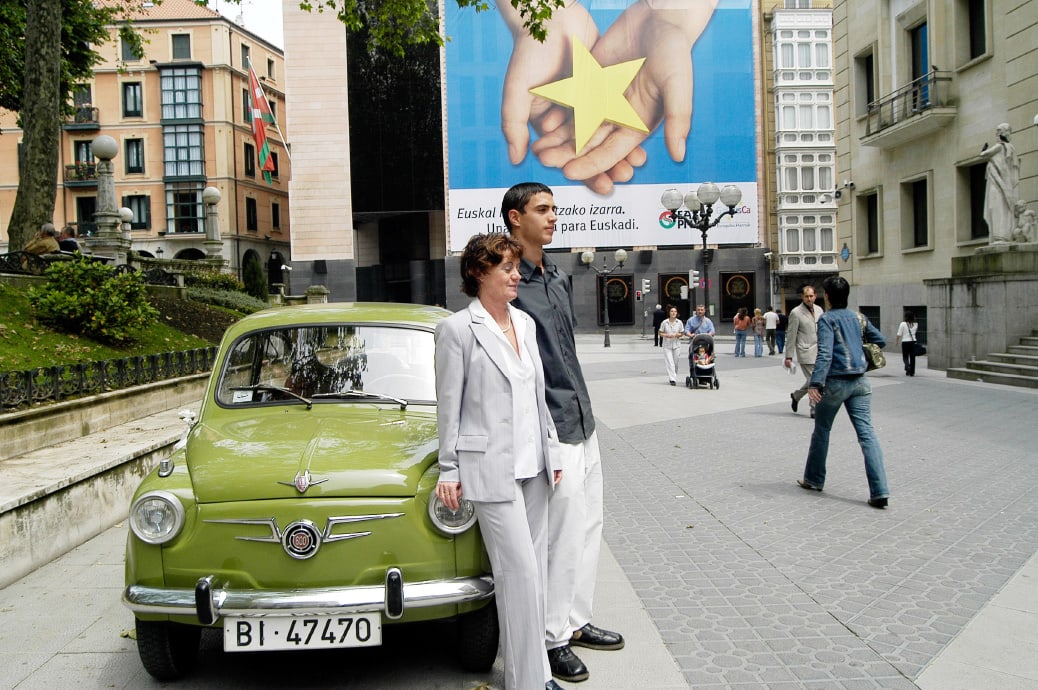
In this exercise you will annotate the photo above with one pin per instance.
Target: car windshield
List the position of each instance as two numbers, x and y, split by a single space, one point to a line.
329 363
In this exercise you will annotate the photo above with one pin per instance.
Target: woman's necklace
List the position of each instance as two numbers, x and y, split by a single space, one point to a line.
508 327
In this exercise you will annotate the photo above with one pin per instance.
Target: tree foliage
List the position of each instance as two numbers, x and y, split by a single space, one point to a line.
392 25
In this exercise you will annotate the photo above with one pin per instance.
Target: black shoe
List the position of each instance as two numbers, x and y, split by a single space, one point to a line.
673 383
812 413
793 402
565 665
878 502
552 685
809 486
596 638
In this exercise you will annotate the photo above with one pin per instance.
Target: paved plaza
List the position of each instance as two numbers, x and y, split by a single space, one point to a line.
721 572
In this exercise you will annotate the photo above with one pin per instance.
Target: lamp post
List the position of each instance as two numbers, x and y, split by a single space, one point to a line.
699 207
109 242
588 259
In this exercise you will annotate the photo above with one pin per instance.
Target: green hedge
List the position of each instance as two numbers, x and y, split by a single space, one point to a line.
238 301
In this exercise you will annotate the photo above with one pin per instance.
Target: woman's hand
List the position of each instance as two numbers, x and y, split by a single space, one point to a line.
557 475
450 493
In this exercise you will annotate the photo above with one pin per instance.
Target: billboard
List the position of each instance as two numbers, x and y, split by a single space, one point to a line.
600 112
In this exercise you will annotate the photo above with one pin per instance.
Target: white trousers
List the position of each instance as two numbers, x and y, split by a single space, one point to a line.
574 541
672 357
515 535
807 370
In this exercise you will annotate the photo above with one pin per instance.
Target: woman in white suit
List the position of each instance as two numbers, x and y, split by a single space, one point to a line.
498 446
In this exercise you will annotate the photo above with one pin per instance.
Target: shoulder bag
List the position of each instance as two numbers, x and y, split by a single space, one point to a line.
874 357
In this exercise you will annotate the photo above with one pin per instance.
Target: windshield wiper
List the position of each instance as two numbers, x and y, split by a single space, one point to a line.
354 393
277 389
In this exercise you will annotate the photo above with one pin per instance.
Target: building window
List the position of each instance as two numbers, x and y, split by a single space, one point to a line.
977 190
270 68
184 208
275 215
971 22
81 95
868 208
250 160
251 217
916 221
134 155
133 99
864 83
128 51
808 240
274 160
84 152
181 46
181 93
140 204
183 151
273 105
246 63
246 106
807 172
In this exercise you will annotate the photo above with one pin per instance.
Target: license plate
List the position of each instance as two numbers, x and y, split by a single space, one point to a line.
303 632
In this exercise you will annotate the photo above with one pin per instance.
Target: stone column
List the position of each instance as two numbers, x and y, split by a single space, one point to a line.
109 242
213 243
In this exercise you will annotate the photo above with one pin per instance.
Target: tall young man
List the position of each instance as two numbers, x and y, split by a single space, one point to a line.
575 509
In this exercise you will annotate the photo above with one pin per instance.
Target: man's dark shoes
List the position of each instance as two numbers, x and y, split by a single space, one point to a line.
552 685
878 502
596 638
793 401
811 487
565 665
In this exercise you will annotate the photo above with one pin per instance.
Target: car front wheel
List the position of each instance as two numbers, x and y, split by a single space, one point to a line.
168 650
477 638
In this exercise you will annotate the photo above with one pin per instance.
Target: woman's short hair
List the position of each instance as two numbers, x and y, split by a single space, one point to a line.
837 290
481 254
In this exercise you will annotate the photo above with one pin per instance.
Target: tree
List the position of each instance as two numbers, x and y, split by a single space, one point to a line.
37 74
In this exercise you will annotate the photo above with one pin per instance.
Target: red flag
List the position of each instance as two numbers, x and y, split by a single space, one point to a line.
261 115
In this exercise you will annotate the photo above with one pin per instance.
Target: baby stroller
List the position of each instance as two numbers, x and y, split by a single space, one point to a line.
701 372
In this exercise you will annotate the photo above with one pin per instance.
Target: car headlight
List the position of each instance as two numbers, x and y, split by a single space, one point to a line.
156 517
451 521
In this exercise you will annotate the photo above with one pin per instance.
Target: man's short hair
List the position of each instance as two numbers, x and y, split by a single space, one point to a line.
804 286
518 196
69 231
837 290
49 229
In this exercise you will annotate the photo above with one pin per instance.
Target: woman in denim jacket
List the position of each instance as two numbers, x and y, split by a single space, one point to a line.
839 380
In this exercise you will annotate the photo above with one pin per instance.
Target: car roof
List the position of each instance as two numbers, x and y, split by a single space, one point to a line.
391 313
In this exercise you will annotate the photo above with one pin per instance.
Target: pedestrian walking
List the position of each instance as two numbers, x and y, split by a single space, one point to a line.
803 337
658 317
780 331
670 332
906 337
771 320
741 323
757 325
838 380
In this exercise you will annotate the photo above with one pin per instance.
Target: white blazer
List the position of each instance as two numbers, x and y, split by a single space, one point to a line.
474 407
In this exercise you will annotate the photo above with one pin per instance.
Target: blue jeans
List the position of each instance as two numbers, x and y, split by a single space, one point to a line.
856 395
740 343
780 340
758 345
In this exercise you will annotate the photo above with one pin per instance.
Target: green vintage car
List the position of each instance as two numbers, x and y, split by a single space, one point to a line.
298 510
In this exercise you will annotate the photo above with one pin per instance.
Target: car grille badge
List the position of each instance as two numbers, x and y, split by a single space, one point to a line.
303 481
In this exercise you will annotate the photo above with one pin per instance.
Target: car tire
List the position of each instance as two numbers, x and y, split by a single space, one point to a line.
478 635
168 650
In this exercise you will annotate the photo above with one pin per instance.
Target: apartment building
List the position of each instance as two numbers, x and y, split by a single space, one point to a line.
920 88
180 114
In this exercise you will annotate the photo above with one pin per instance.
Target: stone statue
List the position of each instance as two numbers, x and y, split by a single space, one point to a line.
1027 224
1002 188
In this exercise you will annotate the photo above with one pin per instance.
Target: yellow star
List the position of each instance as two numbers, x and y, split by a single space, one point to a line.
595 93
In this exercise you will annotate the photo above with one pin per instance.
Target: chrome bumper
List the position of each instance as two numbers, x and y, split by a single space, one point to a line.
391 599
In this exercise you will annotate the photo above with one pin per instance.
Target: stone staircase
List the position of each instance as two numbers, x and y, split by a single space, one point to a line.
1018 367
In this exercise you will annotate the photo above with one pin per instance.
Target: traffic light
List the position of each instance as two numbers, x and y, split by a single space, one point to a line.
693 278
637 295
646 286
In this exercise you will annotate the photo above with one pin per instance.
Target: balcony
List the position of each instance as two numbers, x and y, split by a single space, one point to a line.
916 110
84 118
81 175
807 262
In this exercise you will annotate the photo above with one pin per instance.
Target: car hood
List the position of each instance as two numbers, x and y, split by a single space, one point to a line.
366 451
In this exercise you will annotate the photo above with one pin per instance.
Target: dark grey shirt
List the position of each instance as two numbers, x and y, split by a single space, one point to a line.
548 298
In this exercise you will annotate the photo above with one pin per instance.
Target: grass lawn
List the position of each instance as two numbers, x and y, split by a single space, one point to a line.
26 344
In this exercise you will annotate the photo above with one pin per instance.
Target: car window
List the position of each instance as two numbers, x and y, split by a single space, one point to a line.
320 361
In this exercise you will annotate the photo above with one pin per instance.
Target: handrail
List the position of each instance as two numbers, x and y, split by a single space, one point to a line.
922 94
61 382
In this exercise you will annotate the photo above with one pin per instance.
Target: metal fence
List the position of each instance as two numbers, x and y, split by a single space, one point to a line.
61 382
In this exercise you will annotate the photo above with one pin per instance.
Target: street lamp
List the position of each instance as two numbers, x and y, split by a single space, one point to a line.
588 259
699 206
